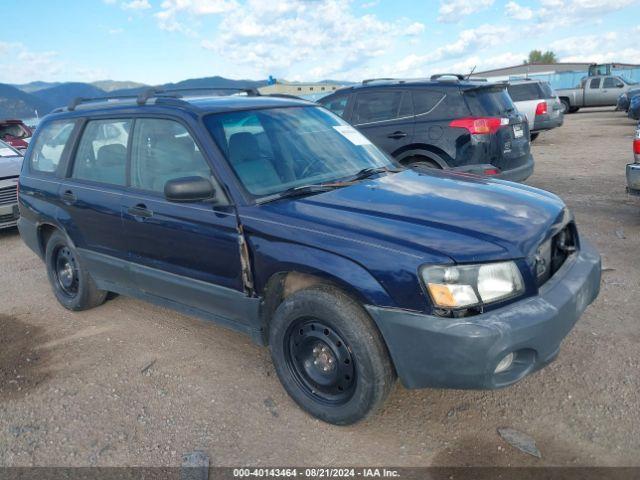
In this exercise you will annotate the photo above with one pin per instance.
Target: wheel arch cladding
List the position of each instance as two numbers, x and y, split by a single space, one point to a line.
44 234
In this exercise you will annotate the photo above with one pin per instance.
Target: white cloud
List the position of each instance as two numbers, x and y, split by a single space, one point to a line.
518 12
452 11
601 48
171 11
415 28
136 5
371 4
484 37
295 37
20 65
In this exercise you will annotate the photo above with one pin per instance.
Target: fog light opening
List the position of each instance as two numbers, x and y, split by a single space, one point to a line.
505 363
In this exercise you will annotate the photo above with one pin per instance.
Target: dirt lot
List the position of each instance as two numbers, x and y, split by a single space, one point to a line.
132 384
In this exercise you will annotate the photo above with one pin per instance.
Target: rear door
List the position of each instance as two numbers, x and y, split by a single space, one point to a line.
91 198
385 116
182 252
593 96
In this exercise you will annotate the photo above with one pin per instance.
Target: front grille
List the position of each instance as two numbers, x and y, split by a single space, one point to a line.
7 218
552 254
9 195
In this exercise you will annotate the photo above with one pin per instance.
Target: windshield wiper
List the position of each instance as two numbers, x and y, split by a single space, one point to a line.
300 191
370 171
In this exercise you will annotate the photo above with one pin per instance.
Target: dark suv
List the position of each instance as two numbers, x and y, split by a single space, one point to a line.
276 218
446 122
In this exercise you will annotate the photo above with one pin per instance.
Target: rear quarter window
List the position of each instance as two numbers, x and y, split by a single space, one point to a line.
424 101
50 145
489 101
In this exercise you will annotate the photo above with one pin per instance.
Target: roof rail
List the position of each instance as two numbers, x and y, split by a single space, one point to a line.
149 93
438 76
369 80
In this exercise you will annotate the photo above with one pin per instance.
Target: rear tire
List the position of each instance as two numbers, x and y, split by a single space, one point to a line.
421 162
574 109
566 106
330 356
72 285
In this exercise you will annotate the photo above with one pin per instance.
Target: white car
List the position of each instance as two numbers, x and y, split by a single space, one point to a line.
10 165
537 101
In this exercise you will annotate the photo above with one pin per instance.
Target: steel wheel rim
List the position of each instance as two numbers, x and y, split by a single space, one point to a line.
65 268
320 361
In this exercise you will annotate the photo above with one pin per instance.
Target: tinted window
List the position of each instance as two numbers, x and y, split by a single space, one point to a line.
50 145
163 150
489 101
274 149
425 100
13 130
547 90
376 106
594 83
612 82
525 91
336 104
102 152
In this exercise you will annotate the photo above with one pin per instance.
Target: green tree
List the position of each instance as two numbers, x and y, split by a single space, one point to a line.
536 56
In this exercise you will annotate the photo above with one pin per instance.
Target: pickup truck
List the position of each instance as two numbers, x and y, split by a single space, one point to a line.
596 91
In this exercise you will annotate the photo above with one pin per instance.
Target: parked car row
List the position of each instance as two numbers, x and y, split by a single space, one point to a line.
10 165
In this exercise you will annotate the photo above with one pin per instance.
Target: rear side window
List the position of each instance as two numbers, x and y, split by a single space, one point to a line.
102 152
377 106
547 90
424 101
594 83
489 101
525 91
337 104
50 145
163 150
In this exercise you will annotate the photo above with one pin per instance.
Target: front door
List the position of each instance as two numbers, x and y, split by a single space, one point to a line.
612 87
385 117
186 253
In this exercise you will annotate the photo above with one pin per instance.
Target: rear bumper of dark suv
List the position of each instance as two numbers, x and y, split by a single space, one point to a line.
431 351
518 173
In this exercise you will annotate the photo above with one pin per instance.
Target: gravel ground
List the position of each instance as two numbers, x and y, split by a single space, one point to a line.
132 384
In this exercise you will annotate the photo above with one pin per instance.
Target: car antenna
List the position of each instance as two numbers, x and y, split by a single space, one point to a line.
471 72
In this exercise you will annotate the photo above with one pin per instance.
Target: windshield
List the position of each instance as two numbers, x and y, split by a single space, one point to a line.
14 130
276 149
7 150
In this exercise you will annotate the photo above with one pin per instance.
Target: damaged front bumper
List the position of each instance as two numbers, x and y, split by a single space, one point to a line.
431 351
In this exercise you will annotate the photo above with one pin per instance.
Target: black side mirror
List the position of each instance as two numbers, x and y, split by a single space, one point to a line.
189 189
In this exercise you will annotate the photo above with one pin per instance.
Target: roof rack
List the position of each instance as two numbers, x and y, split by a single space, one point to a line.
144 96
438 76
370 80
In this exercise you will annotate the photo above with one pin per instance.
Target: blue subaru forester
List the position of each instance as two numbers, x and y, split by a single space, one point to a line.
274 217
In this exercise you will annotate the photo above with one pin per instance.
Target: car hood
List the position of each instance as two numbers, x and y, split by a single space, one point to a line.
10 166
464 217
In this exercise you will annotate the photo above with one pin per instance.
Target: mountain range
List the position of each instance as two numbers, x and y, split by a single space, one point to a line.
36 99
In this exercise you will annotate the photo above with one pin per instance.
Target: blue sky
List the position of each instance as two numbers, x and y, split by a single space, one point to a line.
157 41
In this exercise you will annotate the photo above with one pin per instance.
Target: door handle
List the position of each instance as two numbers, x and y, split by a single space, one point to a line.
69 197
140 210
397 135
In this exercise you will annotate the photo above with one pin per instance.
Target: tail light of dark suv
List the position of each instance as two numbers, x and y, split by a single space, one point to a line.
480 125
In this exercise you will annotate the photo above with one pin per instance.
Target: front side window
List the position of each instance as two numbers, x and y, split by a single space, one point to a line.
272 150
102 152
376 106
163 150
595 83
612 82
49 146
336 104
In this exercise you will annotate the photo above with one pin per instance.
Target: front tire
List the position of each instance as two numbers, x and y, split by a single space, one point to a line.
330 356
72 285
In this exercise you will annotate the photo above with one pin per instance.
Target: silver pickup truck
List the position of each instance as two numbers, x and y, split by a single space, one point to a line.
596 91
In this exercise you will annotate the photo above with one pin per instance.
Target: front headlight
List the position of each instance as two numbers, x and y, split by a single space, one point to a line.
461 286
